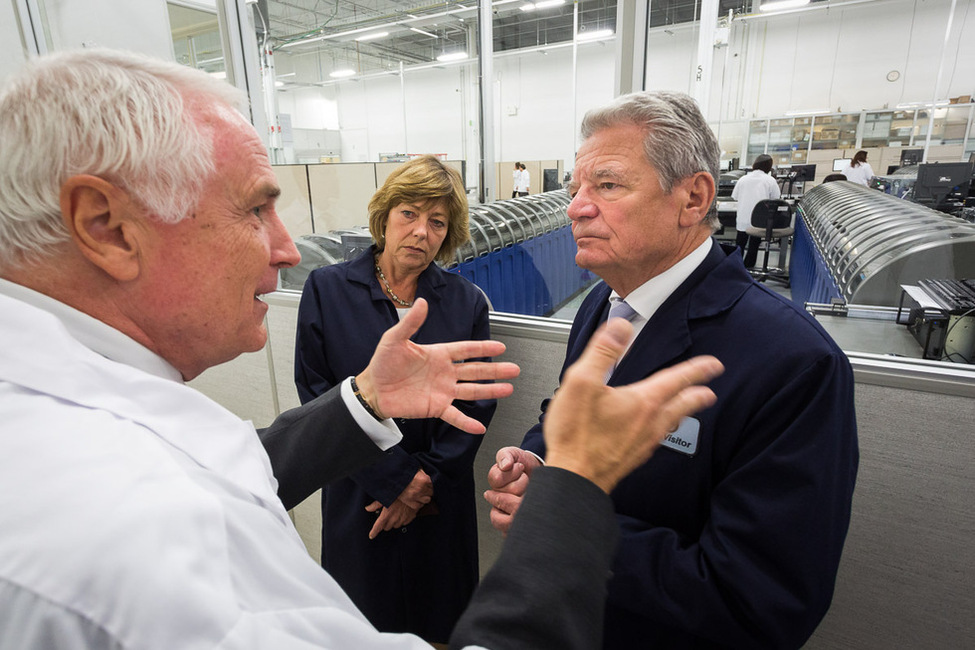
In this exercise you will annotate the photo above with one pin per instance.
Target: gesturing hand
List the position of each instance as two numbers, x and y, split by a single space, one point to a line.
508 478
604 433
405 379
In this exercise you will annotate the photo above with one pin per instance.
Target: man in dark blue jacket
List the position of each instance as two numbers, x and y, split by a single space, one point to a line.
731 534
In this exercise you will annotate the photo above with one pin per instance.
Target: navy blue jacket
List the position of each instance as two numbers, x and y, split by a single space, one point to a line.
417 579
738 544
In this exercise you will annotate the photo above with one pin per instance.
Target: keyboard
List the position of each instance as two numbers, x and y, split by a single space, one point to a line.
954 295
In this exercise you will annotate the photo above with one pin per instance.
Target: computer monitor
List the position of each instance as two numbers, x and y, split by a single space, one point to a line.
936 181
911 156
839 164
804 172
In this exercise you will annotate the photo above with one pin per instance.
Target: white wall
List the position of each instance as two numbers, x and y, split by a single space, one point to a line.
536 118
141 26
838 59
138 26
11 46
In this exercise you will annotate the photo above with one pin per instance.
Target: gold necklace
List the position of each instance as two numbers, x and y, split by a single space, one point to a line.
389 289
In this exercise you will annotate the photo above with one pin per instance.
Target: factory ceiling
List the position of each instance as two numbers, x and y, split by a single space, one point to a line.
374 36
369 37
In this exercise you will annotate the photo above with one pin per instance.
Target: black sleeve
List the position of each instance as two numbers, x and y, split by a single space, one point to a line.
315 444
548 586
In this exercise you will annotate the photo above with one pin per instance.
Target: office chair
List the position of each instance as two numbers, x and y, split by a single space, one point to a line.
772 219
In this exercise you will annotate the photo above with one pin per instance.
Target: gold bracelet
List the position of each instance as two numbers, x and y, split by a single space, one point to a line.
362 400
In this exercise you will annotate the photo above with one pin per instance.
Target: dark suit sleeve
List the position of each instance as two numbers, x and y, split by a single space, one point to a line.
315 444
547 588
313 374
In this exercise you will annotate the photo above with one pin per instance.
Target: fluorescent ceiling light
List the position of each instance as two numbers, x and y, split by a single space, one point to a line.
593 35
816 111
937 104
314 39
780 5
338 74
219 74
453 56
542 4
373 36
279 84
420 31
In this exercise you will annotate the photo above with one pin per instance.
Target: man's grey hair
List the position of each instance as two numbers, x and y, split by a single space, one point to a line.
119 116
678 141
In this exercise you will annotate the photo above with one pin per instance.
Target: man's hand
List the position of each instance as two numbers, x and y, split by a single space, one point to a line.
508 479
402 511
604 433
407 380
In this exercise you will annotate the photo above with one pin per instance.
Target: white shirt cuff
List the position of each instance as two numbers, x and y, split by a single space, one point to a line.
385 434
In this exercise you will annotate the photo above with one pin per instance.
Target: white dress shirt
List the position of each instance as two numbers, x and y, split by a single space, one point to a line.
647 298
136 512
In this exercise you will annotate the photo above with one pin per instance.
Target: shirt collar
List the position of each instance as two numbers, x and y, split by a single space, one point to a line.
94 334
647 298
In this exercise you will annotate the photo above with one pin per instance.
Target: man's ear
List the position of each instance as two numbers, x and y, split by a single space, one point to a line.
104 224
699 195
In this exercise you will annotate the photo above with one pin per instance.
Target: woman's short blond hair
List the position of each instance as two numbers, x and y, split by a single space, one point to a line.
420 180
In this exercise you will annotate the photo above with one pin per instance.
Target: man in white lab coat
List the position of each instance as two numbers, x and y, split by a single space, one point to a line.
137 233
757 185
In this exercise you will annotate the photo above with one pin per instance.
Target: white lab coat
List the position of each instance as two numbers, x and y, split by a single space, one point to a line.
137 513
861 174
751 188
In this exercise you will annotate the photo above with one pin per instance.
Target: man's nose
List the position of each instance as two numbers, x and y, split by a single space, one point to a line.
284 254
581 207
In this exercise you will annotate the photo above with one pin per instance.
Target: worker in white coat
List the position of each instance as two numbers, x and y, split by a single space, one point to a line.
757 185
858 170
137 233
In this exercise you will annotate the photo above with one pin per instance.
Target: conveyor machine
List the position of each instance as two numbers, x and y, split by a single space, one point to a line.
860 245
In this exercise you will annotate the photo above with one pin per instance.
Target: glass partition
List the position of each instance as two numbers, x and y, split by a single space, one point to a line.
758 136
196 39
835 131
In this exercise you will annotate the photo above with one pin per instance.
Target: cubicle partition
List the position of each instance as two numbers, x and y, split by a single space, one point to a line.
331 196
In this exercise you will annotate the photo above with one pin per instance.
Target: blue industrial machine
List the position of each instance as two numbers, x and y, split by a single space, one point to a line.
860 246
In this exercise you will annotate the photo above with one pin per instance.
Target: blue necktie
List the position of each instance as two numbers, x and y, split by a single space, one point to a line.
619 308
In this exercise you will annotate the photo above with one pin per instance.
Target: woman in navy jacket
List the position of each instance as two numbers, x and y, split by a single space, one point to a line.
400 536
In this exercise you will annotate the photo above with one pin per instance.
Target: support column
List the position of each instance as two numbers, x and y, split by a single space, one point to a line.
937 82
701 86
31 27
485 67
632 31
239 39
